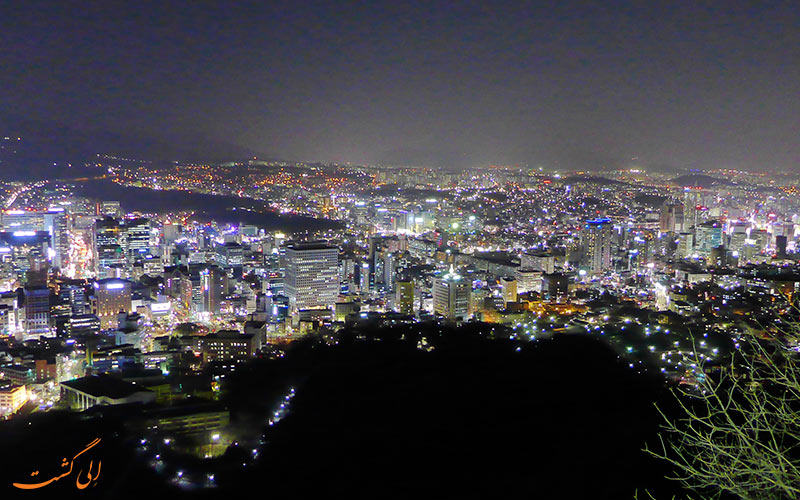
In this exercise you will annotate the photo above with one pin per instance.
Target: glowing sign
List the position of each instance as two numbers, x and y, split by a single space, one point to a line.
115 286
24 233
160 307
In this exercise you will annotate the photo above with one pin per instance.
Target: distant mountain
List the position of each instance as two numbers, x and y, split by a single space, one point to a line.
32 149
700 180
591 180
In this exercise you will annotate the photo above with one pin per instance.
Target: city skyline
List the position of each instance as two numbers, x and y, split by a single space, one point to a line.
392 249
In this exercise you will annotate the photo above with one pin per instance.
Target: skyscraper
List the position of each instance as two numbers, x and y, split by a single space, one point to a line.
596 239
312 275
671 218
405 297
37 312
113 296
508 286
451 294
708 235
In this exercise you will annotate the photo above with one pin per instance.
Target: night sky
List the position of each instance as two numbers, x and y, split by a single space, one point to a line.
560 84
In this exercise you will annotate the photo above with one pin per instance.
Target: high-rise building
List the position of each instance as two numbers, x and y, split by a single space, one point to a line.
22 220
55 223
596 239
708 235
109 209
113 297
538 261
528 280
37 312
75 296
685 245
508 287
759 239
136 238
738 236
107 246
405 297
671 218
692 206
780 245
208 285
230 255
312 275
451 296
389 271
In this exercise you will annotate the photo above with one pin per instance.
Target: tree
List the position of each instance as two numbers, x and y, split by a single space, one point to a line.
737 434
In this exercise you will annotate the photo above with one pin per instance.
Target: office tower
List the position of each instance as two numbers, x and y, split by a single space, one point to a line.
738 236
451 295
107 246
22 220
685 245
538 261
211 286
374 252
692 199
347 273
37 312
363 278
708 235
24 250
75 296
780 245
389 271
508 287
229 255
671 219
759 239
312 278
596 239
55 223
113 297
136 237
528 280
404 297
109 209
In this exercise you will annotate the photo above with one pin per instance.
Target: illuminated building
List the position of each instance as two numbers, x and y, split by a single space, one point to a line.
312 275
708 235
12 398
671 219
538 261
405 297
113 296
136 238
596 239
107 246
37 312
55 224
229 345
528 280
83 393
508 287
451 296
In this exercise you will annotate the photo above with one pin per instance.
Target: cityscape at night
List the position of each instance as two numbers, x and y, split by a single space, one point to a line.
544 250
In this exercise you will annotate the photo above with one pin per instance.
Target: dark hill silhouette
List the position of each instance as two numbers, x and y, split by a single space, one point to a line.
559 419
46 149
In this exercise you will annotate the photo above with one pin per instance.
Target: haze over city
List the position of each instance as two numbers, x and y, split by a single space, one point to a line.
560 84
400 249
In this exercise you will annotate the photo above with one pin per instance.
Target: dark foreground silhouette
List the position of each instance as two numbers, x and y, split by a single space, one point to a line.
562 418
